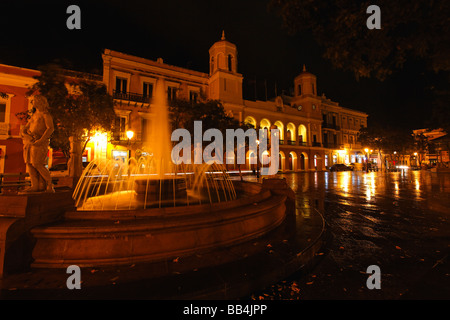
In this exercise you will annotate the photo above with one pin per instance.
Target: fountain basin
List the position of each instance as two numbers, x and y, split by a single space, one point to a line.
105 238
154 190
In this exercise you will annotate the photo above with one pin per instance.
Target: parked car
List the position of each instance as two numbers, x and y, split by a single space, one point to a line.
340 167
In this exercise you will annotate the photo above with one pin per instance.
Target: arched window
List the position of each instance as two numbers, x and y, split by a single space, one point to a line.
264 124
230 63
250 120
212 65
290 133
280 127
302 134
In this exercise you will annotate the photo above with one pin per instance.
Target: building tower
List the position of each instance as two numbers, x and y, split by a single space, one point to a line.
305 98
225 83
305 83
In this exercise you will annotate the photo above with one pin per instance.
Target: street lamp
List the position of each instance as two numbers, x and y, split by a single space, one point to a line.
257 162
367 159
130 135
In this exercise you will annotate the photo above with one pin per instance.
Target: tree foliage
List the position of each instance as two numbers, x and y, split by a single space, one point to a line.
440 114
387 140
79 107
417 30
183 113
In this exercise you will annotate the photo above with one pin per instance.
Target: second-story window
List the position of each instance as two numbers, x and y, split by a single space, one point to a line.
147 90
2 112
120 127
121 85
171 93
193 96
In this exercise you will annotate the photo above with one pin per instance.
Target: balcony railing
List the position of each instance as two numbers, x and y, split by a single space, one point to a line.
291 142
316 144
330 126
330 145
118 135
130 96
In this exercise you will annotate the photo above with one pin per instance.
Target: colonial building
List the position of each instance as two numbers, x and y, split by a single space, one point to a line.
315 132
14 84
15 105
435 150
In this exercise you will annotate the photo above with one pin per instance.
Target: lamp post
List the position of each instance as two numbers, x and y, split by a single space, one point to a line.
257 162
367 159
130 135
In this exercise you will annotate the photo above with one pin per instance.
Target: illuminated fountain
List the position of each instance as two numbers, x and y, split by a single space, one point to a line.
153 180
117 185
151 209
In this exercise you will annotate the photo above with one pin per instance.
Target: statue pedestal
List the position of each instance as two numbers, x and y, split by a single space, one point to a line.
18 215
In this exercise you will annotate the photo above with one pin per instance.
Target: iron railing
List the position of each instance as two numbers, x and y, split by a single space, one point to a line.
131 96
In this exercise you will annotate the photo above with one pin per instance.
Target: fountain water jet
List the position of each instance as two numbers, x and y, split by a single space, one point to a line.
152 180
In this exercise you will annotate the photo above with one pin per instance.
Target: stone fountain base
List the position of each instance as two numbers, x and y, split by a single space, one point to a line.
156 190
105 238
18 215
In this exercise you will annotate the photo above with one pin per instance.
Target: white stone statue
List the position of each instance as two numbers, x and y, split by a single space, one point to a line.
36 138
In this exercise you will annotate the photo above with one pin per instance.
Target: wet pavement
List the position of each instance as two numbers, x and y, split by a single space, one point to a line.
398 221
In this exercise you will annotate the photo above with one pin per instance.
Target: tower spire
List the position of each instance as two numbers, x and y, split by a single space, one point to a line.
304 68
223 35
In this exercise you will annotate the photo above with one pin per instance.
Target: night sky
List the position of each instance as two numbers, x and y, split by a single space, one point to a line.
181 32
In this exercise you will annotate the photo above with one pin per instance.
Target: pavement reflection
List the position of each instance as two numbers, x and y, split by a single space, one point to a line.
396 220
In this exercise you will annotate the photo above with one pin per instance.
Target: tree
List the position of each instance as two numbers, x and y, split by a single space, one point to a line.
413 34
387 142
416 30
183 113
440 115
79 106
422 146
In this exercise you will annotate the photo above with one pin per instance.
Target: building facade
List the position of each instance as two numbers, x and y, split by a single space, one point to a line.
315 132
14 84
433 148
